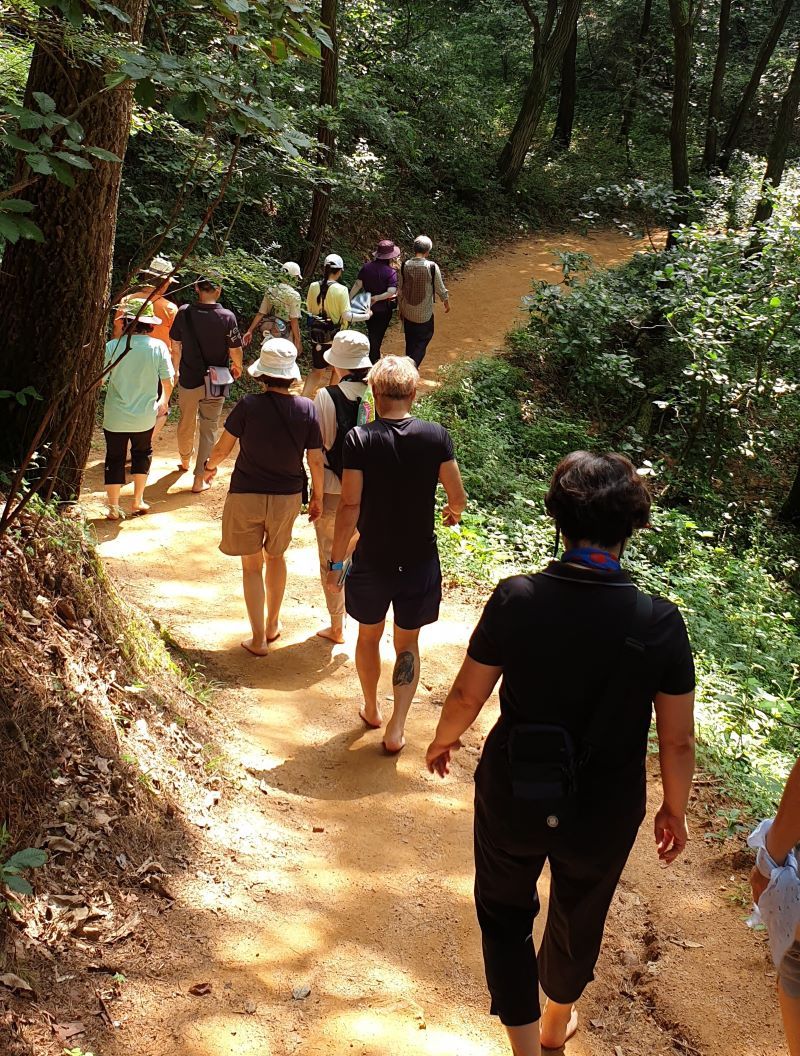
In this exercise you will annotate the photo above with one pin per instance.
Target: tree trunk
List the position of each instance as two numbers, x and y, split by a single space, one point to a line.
629 108
562 133
717 83
781 137
742 111
326 142
547 54
683 16
54 295
791 508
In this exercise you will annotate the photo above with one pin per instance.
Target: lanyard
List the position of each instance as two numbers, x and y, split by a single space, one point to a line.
590 557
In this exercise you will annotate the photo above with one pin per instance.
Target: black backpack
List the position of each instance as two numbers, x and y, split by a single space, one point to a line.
322 329
346 418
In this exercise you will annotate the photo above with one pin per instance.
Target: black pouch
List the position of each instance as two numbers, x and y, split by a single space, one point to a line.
543 763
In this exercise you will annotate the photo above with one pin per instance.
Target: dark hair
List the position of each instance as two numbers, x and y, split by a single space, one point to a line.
138 326
326 281
207 285
600 498
360 374
275 383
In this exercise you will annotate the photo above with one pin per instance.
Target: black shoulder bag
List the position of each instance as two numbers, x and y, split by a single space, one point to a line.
218 381
299 450
321 328
544 760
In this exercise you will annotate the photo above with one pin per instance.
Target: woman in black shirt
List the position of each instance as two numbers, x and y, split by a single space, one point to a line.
583 656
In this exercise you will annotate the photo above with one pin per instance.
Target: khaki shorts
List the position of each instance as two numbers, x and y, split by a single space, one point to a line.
251 523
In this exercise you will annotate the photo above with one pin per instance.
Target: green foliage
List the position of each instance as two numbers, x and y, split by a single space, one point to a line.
12 868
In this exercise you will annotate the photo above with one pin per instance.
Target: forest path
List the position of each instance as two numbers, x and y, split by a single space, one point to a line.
334 867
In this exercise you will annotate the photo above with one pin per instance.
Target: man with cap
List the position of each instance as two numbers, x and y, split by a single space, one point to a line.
274 429
203 335
279 306
419 283
156 280
337 411
379 278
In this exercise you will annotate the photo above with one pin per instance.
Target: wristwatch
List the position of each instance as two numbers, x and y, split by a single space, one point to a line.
335 566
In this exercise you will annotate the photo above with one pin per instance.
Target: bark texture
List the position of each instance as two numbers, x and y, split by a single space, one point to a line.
683 15
54 295
745 105
632 99
781 138
550 40
326 142
711 148
562 133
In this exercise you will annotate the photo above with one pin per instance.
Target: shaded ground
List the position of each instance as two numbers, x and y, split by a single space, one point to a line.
373 911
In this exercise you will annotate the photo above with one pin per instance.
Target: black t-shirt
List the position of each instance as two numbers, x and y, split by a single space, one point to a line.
217 332
557 635
400 460
273 432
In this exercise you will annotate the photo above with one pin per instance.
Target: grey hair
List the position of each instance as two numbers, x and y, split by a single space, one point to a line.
394 377
422 244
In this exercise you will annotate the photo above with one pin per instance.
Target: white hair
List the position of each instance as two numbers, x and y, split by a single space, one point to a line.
394 377
422 244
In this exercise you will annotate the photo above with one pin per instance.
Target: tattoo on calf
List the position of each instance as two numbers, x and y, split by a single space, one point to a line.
403 670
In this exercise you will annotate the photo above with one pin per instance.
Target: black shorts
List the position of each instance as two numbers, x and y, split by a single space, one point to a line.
414 592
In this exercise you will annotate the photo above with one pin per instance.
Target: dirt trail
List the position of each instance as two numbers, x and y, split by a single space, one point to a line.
374 911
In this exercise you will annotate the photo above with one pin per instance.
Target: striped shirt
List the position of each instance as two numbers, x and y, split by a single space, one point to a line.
422 311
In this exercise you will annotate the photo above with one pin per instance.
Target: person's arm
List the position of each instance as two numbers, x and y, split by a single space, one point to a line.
472 688
235 350
346 520
441 289
389 295
450 479
675 728
317 467
357 285
222 449
247 336
175 352
167 386
296 337
784 833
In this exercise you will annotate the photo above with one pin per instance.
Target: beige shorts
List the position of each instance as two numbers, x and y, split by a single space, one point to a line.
251 523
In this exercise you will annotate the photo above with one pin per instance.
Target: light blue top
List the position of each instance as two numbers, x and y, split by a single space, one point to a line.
132 394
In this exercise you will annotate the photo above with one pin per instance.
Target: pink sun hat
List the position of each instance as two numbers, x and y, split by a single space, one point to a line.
386 250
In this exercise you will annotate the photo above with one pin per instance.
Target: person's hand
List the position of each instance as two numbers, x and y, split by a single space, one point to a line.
368 314
446 306
671 834
162 407
333 581
437 757
209 474
449 517
247 338
236 370
314 510
758 883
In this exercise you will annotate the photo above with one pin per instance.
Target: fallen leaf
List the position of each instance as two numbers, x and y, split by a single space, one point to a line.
13 982
618 1050
60 845
300 993
200 989
65 1031
687 944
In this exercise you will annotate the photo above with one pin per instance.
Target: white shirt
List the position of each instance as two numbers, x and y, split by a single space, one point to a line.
779 906
326 414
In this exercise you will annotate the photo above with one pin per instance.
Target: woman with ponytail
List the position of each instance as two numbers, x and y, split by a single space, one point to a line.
328 304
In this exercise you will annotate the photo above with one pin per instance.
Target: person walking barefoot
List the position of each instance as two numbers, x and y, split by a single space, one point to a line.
390 471
274 429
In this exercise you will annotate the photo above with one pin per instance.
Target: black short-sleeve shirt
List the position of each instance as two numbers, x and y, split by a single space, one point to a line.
557 635
273 431
400 460
216 332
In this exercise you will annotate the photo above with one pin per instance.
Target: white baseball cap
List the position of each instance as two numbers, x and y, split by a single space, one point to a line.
293 268
335 261
278 359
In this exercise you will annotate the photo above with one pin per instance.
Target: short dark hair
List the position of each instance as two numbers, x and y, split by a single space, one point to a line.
203 282
139 326
360 374
600 498
275 383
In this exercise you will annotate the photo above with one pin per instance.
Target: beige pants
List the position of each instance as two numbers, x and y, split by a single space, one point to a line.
324 527
197 410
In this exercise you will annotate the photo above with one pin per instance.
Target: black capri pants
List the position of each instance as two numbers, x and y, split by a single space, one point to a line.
584 876
117 451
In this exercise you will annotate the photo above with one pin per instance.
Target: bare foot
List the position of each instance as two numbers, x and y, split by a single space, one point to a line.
393 747
557 1025
115 514
257 649
183 468
374 724
332 634
199 486
141 508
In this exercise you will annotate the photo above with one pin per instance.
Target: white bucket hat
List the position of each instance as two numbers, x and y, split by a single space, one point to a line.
278 359
335 261
293 268
349 351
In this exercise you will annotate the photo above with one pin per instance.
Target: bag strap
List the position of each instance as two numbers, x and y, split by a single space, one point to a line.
628 665
433 280
193 332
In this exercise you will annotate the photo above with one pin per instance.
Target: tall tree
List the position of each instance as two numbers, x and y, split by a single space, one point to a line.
562 132
717 82
326 140
641 53
683 15
53 294
768 45
550 39
781 137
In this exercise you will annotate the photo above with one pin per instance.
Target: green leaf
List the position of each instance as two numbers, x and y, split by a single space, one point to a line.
9 230
115 11
16 143
30 857
114 80
46 102
17 883
775 302
62 172
16 205
30 119
145 92
39 163
75 160
102 154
